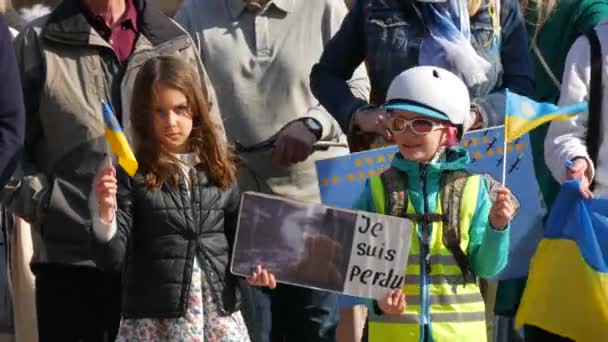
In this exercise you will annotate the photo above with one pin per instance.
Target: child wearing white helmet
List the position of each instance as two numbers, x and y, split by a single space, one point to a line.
460 233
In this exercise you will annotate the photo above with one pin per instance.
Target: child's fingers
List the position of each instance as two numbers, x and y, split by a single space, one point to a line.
265 279
502 205
503 194
574 174
107 178
401 303
106 182
504 213
103 190
253 279
389 300
395 294
273 281
108 171
504 191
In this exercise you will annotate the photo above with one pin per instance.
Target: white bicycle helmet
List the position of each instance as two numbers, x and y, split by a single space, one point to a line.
433 92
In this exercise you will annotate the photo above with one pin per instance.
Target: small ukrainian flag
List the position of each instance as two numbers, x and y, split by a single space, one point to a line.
523 114
118 141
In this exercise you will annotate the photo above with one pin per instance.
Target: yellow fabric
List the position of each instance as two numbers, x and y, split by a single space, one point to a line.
118 142
378 194
380 329
515 126
570 310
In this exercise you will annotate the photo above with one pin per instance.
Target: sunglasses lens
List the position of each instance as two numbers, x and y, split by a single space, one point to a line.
422 126
398 124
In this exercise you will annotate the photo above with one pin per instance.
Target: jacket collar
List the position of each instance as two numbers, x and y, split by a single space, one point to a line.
454 158
68 24
237 7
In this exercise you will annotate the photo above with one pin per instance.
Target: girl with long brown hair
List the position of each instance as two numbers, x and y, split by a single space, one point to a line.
170 227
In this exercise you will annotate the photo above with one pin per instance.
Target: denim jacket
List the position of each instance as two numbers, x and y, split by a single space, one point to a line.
387 35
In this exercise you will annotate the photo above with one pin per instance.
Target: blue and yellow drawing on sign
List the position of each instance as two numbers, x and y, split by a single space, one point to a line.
486 150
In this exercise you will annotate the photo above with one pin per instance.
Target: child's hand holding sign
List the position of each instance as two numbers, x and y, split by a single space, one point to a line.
393 303
262 277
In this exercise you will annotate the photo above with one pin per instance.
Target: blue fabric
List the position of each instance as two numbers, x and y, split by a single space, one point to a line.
584 221
387 34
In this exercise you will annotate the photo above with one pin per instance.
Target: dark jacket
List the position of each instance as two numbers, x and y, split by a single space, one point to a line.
12 112
159 233
67 70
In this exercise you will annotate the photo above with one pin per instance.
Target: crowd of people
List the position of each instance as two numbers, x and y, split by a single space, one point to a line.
246 95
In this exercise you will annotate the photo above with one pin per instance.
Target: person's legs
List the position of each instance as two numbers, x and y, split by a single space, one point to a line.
111 305
262 303
249 310
310 315
76 304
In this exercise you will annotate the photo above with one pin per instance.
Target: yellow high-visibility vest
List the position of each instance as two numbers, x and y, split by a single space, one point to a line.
454 311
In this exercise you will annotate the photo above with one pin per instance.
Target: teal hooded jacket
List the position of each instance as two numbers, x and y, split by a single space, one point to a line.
488 248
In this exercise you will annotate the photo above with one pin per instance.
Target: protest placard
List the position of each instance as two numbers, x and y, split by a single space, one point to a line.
342 180
316 246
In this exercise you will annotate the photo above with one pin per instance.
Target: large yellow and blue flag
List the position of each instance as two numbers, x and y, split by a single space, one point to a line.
523 114
567 288
118 141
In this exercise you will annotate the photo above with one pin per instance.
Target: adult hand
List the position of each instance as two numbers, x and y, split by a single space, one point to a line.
105 187
374 121
502 210
262 277
476 118
294 144
579 169
393 303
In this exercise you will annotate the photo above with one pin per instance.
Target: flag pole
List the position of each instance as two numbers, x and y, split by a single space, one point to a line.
504 156
505 136
108 160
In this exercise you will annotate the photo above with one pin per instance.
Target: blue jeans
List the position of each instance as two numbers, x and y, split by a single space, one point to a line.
290 313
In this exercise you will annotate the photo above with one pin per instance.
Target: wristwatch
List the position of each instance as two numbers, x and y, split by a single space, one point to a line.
314 126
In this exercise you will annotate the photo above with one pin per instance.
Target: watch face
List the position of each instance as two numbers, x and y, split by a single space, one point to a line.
313 124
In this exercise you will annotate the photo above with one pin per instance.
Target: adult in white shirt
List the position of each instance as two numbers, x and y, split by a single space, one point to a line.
566 140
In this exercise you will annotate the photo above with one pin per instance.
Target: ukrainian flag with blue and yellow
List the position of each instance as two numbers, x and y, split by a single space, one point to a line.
118 141
567 288
523 114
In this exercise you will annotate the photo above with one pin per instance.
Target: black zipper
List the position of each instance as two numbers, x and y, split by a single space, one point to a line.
207 267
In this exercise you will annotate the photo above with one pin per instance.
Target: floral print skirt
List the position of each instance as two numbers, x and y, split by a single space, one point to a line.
202 322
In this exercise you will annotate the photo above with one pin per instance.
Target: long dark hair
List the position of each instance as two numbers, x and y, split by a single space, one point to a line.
158 165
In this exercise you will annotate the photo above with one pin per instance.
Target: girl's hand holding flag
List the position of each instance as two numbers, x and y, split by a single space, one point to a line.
105 186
